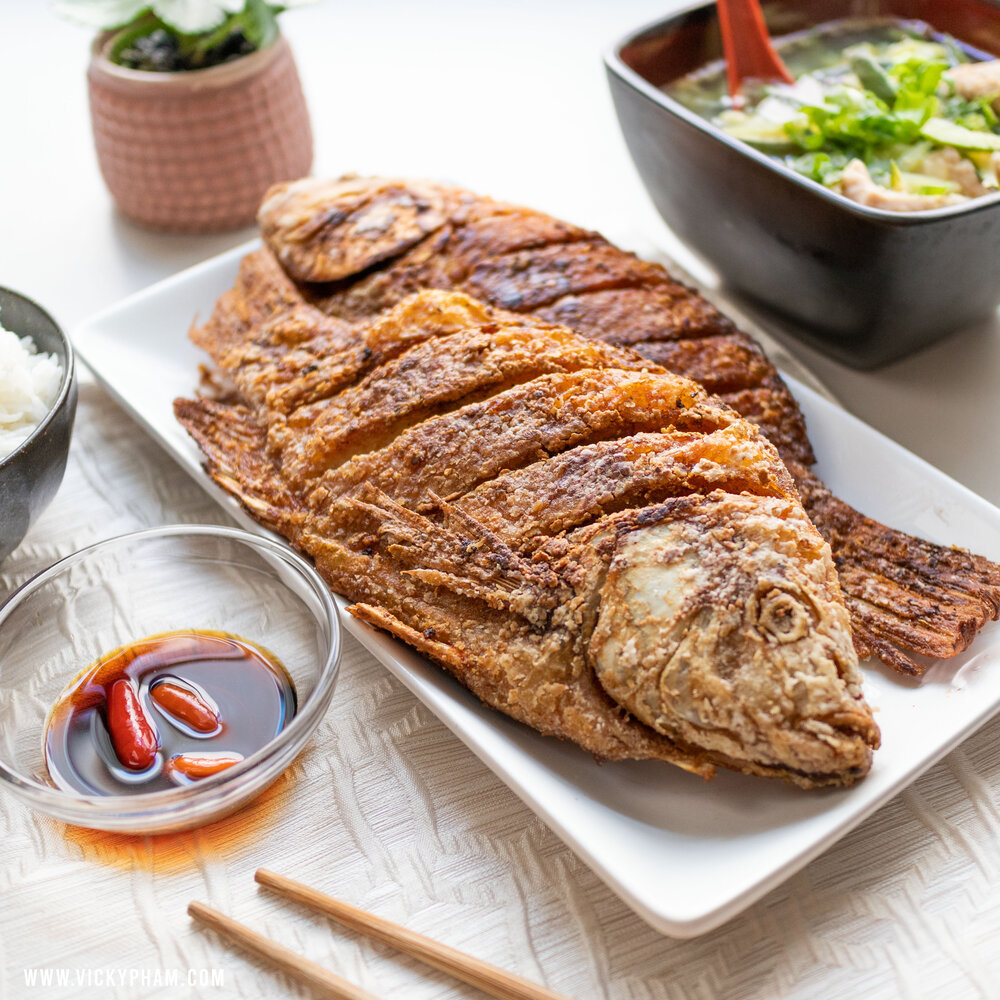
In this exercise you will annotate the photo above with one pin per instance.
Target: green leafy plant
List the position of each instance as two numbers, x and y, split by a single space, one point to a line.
171 35
859 122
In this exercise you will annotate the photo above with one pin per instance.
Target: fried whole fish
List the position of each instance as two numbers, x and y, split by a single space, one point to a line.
354 247
592 545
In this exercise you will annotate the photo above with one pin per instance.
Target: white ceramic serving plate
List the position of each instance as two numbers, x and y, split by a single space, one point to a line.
685 854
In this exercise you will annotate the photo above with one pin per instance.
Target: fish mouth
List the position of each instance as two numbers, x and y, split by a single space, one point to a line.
722 627
843 776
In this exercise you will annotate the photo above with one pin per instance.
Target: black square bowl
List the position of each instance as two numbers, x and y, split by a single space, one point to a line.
863 284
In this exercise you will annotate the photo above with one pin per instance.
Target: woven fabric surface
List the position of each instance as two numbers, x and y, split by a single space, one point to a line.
388 810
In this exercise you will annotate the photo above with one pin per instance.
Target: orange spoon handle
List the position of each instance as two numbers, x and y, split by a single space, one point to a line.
747 45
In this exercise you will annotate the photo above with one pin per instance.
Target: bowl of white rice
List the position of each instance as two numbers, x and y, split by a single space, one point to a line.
37 407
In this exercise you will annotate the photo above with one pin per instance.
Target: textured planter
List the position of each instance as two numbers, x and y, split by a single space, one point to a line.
195 151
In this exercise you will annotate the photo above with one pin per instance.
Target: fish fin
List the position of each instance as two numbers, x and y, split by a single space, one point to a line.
235 448
324 231
442 652
905 595
261 292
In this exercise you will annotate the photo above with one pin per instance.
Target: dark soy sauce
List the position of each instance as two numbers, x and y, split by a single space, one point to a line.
205 700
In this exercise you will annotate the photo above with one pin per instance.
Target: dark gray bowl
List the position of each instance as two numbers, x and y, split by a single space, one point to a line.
862 284
30 475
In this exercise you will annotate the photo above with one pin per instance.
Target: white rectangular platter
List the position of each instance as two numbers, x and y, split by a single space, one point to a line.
685 854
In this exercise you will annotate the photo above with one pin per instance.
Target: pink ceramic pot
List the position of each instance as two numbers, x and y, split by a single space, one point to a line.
195 151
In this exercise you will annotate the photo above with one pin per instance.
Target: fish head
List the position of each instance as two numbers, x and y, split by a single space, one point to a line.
721 625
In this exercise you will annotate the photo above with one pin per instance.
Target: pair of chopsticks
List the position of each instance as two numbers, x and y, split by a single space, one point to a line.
490 979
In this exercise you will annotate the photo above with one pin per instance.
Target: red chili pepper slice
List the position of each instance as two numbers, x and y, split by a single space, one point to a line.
183 702
202 765
132 732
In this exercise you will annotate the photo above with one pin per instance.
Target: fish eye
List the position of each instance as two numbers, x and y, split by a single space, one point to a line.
781 616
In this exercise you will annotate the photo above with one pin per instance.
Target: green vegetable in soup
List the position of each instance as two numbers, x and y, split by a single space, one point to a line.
763 135
872 77
876 92
948 133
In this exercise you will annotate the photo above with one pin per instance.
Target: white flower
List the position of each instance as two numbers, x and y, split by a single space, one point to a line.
188 17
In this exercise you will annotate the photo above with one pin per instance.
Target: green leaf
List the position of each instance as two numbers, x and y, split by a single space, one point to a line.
872 77
259 23
825 168
917 77
124 37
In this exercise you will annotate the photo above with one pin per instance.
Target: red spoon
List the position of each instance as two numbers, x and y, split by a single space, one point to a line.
747 45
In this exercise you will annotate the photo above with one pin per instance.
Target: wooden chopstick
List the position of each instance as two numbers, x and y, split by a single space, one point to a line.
488 978
298 967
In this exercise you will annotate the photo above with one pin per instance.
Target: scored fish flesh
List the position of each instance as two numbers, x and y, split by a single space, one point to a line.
357 246
594 546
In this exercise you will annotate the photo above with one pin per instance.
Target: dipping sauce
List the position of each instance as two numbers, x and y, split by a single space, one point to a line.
889 114
164 711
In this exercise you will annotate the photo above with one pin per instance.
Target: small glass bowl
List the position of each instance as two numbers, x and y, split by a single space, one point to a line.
191 577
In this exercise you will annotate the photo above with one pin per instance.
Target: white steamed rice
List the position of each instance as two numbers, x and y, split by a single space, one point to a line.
29 384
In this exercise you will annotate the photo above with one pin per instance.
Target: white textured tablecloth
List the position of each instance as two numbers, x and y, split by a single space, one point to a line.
390 811
386 808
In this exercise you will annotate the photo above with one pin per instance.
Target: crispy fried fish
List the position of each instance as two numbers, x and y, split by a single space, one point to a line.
592 545
359 246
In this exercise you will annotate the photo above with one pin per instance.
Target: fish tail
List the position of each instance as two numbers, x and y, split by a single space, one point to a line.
907 597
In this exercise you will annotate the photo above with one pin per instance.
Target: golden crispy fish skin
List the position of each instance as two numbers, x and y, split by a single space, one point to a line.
905 595
533 676
379 220
555 485
428 379
715 620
